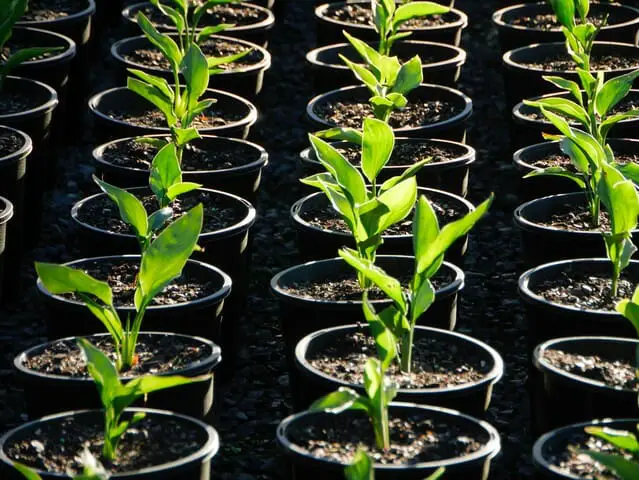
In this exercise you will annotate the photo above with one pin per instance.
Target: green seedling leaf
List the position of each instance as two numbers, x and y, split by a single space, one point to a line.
132 211
361 468
60 279
165 172
621 439
411 10
337 402
208 31
558 172
383 335
389 208
341 134
378 142
195 69
24 55
567 85
565 11
181 188
158 219
562 106
613 91
409 77
164 43
217 61
158 82
157 143
154 96
624 468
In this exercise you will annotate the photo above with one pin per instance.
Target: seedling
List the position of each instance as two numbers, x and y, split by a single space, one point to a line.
10 12
92 469
385 77
362 468
625 466
397 322
388 17
161 263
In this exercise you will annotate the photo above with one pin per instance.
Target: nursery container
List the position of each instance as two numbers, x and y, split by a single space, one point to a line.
473 466
6 213
195 466
120 100
471 398
453 127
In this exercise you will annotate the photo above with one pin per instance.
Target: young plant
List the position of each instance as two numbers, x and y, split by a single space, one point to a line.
92 469
385 77
10 12
388 17
161 263
397 321
362 468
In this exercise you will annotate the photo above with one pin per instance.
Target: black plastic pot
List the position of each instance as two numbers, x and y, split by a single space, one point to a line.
315 243
300 316
560 398
196 466
523 81
242 180
46 394
256 31
556 442
622 24
475 466
246 82
200 318
542 244
441 63
36 123
450 176
329 30
122 99
471 399
548 320
6 213
526 130
12 186
453 128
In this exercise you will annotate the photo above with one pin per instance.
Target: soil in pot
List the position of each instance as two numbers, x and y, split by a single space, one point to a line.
558 159
151 117
563 62
361 14
409 153
548 21
10 142
235 14
14 102
47 10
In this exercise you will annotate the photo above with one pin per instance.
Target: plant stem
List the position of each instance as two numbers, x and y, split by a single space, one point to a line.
407 350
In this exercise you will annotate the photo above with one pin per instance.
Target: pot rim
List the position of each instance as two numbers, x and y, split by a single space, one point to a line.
249 119
69 52
261 162
492 377
48 105
23 151
219 295
489 449
542 364
77 16
205 452
461 22
460 117
264 64
458 59
456 285
299 221
6 213
524 289
214 358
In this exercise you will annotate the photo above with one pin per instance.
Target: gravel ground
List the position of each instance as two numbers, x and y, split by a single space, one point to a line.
257 398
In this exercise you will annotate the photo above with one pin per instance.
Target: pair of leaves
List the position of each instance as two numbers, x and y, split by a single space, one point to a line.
165 179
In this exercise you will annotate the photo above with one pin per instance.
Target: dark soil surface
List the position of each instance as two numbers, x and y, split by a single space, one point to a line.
413 439
561 160
408 153
132 154
435 363
576 218
361 14
591 292
9 143
548 21
563 63
239 15
57 446
11 102
351 112
614 372
213 117
47 10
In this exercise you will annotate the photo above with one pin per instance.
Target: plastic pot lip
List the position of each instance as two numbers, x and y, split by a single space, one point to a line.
299 221
498 17
460 117
456 285
466 159
457 58
249 119
532 297
218 296
73 18
508 61
212 360
240 226
23 151
6 210
492 377
261 162
320 14
489 449
63 57
537 452
206 451
41 109
519 117
265 24
264 64
542 364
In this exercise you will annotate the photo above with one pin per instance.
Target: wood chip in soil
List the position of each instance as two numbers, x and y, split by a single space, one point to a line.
57 446
614 372
213 117
101 212
563 63
576 218
9 143
13 102
413 439
351 112
436 364
584 291
548 21
155 354
361 14
121 275
221 155
47 10
409 153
